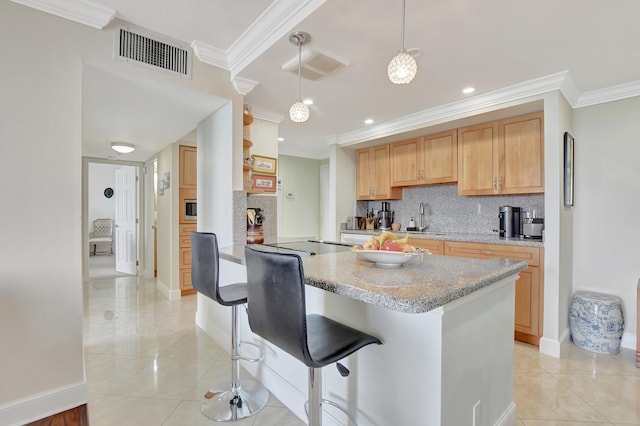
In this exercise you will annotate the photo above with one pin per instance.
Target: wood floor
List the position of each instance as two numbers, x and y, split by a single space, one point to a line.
73 417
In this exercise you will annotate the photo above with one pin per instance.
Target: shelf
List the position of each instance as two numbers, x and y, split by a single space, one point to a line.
246 143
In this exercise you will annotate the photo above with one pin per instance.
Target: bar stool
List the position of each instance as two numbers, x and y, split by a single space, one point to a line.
277 312
244 397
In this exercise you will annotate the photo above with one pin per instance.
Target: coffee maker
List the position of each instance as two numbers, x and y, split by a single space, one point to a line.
385 216
510 225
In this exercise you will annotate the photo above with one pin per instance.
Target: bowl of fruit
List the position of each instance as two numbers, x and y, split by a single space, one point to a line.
388 251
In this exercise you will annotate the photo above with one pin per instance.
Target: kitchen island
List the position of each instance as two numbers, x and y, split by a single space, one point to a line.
447 328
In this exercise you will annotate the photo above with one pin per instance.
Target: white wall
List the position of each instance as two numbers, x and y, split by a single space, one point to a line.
299 198
607 203
41 305
40 171
101 176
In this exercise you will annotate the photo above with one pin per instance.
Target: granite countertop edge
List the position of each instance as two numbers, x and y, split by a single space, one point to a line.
421 302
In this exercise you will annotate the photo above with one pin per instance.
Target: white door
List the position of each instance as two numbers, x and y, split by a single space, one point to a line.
126 235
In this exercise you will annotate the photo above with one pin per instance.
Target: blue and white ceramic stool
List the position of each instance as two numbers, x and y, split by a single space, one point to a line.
596 322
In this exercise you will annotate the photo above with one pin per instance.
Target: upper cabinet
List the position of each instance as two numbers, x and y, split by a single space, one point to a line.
372 175
188 166
426 160
502 157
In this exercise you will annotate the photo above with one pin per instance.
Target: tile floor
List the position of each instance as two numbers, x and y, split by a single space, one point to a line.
148 364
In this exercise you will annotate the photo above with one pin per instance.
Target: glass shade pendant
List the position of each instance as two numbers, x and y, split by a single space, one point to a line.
299 112
402 67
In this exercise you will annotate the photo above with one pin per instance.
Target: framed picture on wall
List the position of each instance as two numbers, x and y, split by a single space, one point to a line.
266 165
264 182
568 169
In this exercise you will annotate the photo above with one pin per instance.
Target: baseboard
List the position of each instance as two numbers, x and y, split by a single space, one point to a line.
39 406
628 341
509 417
167 292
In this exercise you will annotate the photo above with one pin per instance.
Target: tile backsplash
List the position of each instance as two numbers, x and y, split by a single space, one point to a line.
446 211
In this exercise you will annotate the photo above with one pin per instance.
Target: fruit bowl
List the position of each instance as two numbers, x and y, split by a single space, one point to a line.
388 259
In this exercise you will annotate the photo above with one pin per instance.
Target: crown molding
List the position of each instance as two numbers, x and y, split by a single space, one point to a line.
274 23
610 94
84 12
244 85
454 110
210 55
266 114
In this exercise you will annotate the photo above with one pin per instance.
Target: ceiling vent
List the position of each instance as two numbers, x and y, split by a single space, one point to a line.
315 65
152 51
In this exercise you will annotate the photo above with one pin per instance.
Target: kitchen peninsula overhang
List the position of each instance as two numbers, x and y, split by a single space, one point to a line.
426 283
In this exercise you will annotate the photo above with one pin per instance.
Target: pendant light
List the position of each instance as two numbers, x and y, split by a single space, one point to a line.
402 67
299 111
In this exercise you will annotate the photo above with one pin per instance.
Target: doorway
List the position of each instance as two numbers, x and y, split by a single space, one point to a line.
112 191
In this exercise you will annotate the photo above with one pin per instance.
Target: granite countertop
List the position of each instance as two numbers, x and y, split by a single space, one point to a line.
425 283
456 236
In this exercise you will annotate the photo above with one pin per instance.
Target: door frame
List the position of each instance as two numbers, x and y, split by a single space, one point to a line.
85 209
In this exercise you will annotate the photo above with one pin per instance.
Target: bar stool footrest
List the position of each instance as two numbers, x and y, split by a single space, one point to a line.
258 348
335 405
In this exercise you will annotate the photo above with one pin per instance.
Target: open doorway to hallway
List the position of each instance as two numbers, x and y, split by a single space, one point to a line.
113 209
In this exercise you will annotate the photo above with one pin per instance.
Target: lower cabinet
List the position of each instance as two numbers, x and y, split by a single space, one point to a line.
185 258
529 287
434 246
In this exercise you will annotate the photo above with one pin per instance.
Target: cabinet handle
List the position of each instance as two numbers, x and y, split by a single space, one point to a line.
495 183
501 181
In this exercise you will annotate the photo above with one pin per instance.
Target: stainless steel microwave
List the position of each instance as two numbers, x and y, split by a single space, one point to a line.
190 209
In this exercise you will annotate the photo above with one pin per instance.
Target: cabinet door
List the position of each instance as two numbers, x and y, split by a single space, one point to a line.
522 152
364 189
405 159
527 302
382 189
188 167
477 159
434 246
439 158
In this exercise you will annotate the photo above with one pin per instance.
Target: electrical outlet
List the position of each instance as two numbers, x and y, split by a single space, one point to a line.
477 413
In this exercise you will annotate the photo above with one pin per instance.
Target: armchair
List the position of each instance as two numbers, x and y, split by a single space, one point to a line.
102 234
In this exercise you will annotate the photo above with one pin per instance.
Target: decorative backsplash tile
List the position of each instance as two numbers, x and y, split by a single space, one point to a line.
446 211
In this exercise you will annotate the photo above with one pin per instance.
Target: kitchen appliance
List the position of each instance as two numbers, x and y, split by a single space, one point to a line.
190 210
355 222
532 225
510 225
385 216
311 247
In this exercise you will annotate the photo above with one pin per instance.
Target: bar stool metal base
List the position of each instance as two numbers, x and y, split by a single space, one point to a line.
235 403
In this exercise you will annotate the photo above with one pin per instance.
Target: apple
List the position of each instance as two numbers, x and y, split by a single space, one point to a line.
390 245
371 244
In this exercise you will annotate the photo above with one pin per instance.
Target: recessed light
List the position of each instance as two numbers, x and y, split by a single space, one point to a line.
468 90
280 139
368 121
308 101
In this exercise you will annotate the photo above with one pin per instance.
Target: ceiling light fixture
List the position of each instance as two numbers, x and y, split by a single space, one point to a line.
402 67
122 147
299 111
368 121
468 90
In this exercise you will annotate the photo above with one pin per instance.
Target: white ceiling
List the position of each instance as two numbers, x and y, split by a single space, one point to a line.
589 47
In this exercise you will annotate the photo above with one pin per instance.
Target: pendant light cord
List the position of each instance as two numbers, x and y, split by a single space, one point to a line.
404 6
299 71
